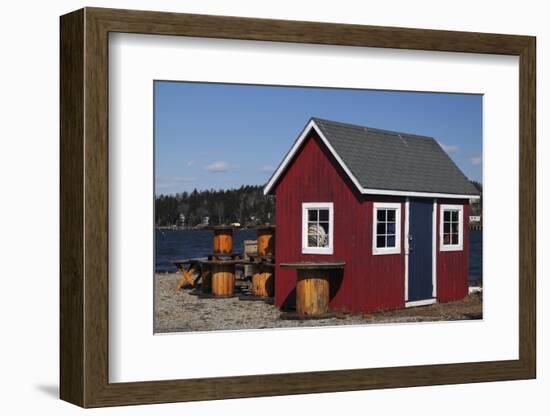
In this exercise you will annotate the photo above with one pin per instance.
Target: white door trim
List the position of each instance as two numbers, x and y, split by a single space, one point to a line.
423 302
434 250
406 249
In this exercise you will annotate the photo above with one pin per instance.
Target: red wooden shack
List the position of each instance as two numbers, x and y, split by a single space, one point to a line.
392 205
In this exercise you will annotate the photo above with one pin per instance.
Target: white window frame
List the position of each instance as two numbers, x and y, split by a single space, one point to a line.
387 250
317 250
460 245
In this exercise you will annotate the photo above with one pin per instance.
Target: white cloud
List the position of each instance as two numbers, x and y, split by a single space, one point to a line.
267 168
189 163
476 160
218 167
449 148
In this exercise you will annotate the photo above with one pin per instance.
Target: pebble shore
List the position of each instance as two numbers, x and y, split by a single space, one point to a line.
180 311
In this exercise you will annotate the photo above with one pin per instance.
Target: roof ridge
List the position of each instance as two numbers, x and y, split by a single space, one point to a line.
373 129
398 164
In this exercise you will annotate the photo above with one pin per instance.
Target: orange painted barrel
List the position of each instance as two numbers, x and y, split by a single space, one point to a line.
312 292
223 279
313 285
223 241
263 281
266 242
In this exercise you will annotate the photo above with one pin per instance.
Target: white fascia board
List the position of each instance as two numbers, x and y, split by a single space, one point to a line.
294 149
304 134
416 194
288 158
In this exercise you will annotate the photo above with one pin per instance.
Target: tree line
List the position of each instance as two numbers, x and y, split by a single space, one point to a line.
246 205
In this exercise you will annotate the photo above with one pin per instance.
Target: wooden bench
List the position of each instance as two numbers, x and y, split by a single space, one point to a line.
193 269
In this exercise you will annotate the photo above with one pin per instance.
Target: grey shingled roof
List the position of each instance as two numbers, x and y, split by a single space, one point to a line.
388 160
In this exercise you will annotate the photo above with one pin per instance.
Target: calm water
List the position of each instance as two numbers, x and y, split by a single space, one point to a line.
184 244
180 244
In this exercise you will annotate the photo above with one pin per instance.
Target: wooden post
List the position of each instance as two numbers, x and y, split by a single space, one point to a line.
312 292
223 279
223 241
266 241
263 281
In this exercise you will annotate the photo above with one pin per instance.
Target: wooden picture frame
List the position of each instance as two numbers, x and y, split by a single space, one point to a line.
84 207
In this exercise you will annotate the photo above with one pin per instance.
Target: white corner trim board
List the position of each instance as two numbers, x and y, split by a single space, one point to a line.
406 248
304 134
434 249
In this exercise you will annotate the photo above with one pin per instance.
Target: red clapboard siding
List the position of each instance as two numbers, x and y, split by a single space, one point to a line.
368 282
385 285
452 266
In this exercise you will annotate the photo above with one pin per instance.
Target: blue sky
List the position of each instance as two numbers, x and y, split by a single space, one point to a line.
223 136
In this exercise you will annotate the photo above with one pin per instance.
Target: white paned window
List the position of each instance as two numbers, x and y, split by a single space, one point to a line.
386 228
317 227
451 227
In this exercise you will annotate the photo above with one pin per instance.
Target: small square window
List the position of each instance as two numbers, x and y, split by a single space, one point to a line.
317 228
386 228
451 228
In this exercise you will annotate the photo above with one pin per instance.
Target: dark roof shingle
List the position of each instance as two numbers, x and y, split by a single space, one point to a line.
388 160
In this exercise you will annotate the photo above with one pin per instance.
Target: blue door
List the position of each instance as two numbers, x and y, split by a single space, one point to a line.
420 249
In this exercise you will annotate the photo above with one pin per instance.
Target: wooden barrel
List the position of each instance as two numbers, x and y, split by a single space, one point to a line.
312 292
263 281
223 279
206 279
266 242
223 241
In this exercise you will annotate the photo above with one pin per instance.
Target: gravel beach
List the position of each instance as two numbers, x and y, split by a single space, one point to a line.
179 311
